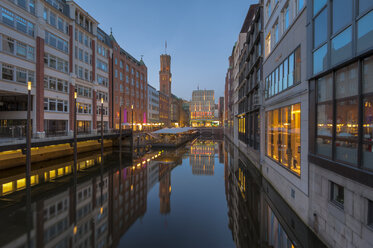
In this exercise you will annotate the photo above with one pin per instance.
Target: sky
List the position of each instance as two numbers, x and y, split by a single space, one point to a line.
200 35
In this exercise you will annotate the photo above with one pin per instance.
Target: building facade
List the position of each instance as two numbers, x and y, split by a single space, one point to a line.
249 82
340 65
284 135
202 108
129 88
153 105
58 46
164 109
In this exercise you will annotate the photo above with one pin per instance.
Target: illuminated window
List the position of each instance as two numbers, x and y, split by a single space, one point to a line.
268 44
7 187
283 136
21 183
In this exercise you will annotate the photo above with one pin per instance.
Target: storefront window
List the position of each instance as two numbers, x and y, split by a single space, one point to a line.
324 115
347 114
283 136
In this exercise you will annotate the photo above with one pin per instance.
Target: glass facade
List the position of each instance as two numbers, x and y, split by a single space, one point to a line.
285 75
283 136
341 114
341 46
365 32
341 14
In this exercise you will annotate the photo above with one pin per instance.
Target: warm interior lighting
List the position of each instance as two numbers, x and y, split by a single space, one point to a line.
131 187
29 85
132 106
139 164
101 210
169 189
21 183
75 230
52 174
7 187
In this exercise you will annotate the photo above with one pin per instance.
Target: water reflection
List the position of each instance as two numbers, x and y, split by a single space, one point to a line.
131 202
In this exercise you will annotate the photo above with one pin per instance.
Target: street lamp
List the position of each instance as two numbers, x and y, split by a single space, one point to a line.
75 132
28 161
102 128
132 116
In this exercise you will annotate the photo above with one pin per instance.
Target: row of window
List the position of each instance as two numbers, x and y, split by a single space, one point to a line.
341 35
17 22
16 74
102 65
102 50
55 21
56 63
56 105
105 111
283 136
28 5
86 58
102 81
338 114
285 75
103 95
83 38
84 108
84 91
56 42
55 209
82 73
282 23
55 230
17 48
56 84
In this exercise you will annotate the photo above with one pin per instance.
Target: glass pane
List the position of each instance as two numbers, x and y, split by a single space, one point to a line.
342 14
368 75
286 72
365 32
346 80
285 136
324 129
320 59
368 119
325 88
368 156
317 5
269 134
320 28
341 46
347 130
276 134
297 61
364 5
295 139
291 70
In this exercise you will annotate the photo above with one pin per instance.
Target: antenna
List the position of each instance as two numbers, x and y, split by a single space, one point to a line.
165 47
111 30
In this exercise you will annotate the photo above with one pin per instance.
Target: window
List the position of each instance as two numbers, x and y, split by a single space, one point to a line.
116 61
56 63
364 5
286 18
320 59
121 76
45 14
370 213
127 68
341 46
121 64
342 14
269 9
368 113
283 136
297 62
116 73
56 42
317 5
52 19
268 44
320 28
7 72
80 54
60 25
275 28
347 114
365 32
56 105
337 194
17 22
8 45
300 4
324 116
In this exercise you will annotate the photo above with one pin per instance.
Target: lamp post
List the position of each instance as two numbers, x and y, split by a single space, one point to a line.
132 116
75 161
28 161
102 128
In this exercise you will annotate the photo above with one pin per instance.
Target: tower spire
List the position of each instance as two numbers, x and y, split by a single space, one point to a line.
165 47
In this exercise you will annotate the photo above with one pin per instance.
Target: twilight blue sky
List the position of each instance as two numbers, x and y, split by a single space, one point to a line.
200 35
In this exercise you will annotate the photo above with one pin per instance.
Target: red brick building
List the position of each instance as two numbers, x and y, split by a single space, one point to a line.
129 87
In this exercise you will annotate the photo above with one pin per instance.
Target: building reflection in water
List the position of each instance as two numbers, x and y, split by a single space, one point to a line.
258 216
202 157
101 214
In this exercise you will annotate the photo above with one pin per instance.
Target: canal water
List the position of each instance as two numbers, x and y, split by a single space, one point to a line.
205 194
